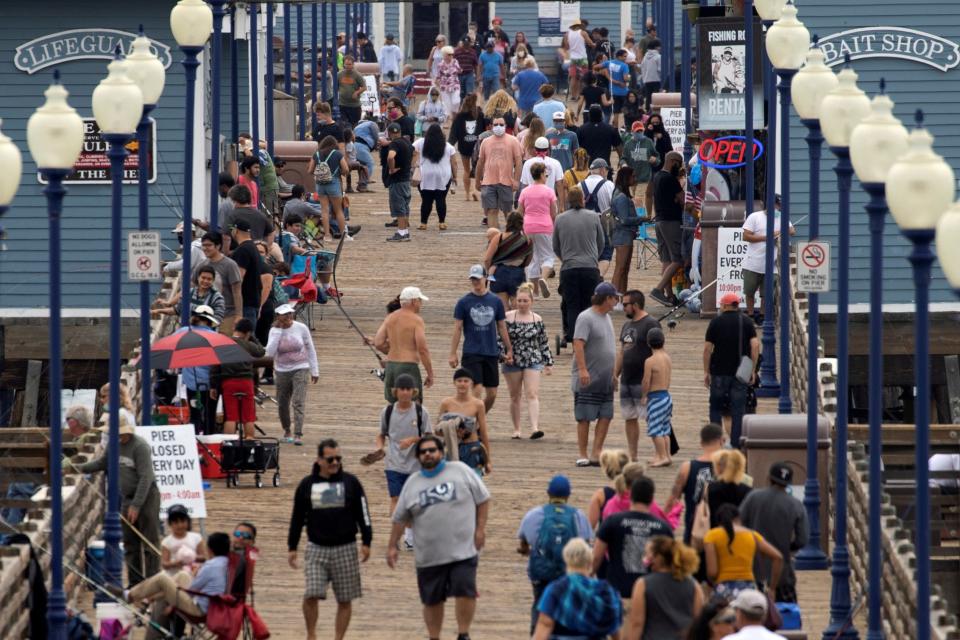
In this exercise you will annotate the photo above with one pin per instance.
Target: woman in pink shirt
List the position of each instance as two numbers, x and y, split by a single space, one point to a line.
538 204
621 501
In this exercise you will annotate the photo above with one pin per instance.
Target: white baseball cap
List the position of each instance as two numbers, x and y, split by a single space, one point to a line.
559 115
477 271
283 310
412 293
541 143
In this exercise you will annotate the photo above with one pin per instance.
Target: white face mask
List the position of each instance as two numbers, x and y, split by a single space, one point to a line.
499 129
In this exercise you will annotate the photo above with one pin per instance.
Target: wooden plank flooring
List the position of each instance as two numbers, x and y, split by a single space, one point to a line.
346 404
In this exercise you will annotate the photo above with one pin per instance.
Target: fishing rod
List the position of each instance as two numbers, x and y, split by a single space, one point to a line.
336 261
683 303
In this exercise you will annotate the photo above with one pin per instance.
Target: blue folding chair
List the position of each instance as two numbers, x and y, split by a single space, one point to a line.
647 249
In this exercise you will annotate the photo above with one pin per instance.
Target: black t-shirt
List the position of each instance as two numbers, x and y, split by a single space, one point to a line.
407 127
465 130
248 258
626 534
402 161
633 337
665 190
722 333
720 493
599 139
591 95
324 129
260 224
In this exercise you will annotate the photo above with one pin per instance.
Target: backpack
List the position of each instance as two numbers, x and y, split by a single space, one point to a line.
419 408
592 201
546 555
321 171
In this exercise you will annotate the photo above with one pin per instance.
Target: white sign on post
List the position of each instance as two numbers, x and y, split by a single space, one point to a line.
176 467
813 267
731 251
143 256
369 99
675 122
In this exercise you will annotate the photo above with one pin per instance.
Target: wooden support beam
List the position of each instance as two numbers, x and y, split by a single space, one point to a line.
952 365
32 393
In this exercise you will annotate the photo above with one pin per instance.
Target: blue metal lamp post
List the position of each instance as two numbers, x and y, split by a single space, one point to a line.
840 111
286 49
191 22
748 101
55 138
334 93
302 109
685 79
769 12
255 83
117 107
268 87
810 84
920 188
215 66
146 70
313 66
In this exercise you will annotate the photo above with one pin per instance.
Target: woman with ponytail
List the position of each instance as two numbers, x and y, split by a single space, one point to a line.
621 501
666 600
729 549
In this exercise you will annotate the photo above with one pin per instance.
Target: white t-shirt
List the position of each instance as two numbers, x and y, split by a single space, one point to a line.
754 632
183 549
945 462
554 171
756 258
577 45
434 176
604 195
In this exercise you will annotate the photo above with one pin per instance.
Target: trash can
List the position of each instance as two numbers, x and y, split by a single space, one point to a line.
722 253
296 154
769 438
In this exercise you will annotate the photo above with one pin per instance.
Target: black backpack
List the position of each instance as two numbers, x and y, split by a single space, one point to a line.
419 408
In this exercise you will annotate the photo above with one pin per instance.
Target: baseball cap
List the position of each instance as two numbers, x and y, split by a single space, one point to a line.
751 601
541 143
559 486
241 225
605 289
393 127
781 474
390 36
412 293
283 310
204 311
404 381
559 115
599 163
497 20
636 126
730 298
477 271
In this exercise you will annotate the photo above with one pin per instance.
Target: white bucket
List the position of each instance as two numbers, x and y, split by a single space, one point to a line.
110 610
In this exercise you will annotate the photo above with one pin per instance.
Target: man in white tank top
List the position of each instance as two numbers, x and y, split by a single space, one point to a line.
575 42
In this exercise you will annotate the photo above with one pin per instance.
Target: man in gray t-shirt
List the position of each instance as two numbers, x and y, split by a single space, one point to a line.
447 503
227 280
593 382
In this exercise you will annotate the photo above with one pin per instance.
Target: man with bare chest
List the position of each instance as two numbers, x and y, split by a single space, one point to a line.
402 337
656 393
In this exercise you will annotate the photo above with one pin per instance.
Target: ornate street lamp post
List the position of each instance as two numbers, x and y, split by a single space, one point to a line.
920 188
55 138
840 111
146 70
810 84
191 22
117 108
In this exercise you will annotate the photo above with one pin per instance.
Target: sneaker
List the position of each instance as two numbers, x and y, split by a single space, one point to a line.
288 438
398 237
675 301
266 380
353 229
298 441
364 189
349 189
463 636
659 296
544 290
483 223
392 223
407 546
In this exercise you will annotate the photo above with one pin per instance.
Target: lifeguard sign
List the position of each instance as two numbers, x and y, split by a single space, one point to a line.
728 152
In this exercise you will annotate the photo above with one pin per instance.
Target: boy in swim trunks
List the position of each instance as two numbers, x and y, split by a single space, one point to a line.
655 390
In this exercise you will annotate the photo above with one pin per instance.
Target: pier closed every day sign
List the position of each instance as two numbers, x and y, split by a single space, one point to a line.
176 467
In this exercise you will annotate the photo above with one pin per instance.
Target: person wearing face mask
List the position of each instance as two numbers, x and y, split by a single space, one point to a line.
661 139
397 112
563 143
668 196
448 81
498 171
640 153
431 110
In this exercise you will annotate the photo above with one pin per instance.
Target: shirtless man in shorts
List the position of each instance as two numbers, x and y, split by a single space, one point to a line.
403 338
656 394
467 407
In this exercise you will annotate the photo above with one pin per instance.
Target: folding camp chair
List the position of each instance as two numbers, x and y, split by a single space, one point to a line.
647 245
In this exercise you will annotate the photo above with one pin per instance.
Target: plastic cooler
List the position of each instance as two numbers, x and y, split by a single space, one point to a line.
211 455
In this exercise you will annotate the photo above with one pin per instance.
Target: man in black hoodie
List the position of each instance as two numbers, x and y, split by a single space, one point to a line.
332 505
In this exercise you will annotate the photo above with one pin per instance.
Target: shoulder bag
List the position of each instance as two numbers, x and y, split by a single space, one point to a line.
745 368
701 522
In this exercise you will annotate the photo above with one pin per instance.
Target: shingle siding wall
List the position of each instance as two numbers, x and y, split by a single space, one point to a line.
912 86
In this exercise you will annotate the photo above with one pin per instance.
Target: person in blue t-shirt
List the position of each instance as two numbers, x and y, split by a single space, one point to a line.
526 86
480 318
491 63
618 71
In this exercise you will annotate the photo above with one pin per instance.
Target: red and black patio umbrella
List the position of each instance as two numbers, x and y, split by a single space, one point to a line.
191 348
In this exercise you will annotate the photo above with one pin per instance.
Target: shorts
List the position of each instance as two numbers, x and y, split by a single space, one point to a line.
630 407
351 114
659 414
483 369
496 196
393 370
578 68
752 281
455 579
399 199
395 481
509 368
588 407
331 189
238 409
669 241
339 565
507 279
618 103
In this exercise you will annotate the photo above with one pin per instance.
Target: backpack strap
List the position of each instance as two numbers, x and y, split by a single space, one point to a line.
593 194
419 409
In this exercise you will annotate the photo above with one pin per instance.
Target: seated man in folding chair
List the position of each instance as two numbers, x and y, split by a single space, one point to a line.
211 579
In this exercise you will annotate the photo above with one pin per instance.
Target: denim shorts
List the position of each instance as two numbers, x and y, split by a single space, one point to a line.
509 368
399 196
507 279
332 188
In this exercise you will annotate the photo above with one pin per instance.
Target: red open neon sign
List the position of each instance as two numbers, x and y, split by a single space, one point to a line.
728 152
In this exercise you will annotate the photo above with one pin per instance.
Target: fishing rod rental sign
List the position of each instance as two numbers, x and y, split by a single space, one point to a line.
722 59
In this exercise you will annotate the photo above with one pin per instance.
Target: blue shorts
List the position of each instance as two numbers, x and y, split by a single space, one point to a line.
395 481
332 188
507 279
509 368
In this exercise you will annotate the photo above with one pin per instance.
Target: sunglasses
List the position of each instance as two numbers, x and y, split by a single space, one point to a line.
430 450
246 535
332 459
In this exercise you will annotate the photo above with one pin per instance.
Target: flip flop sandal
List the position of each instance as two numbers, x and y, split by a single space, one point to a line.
583 462
373 456
515 436
536 435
